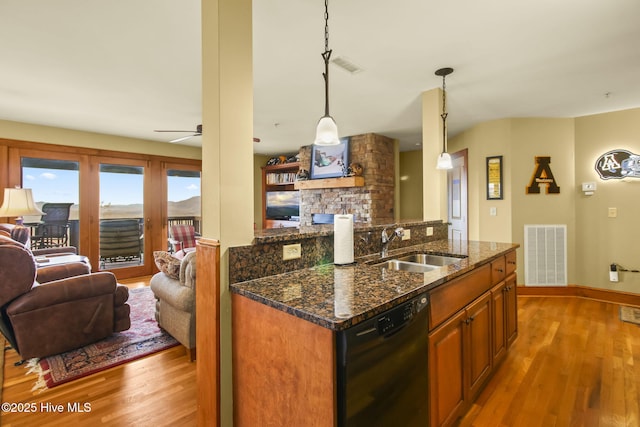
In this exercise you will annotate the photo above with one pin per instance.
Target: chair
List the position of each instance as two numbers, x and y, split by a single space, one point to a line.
182 236
54 231
120 240
42 314
176 302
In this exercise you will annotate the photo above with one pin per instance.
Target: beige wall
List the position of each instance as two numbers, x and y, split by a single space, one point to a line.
602 240
410 184
74 138
594 240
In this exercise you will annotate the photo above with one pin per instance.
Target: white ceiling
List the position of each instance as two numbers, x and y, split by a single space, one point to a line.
127 67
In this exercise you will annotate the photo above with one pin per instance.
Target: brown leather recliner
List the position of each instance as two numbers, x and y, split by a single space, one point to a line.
50 315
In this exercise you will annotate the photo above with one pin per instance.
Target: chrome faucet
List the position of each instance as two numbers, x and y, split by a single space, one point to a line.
386 239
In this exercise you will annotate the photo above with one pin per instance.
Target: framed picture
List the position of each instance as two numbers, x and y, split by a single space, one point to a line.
494 178
330 161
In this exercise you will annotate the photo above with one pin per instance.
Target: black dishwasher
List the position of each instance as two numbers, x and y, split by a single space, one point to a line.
382 371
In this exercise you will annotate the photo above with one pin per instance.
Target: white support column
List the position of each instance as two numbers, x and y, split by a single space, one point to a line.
434 181
227 151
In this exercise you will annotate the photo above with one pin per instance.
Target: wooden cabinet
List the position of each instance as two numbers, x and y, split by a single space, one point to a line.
499 323
479 355
459 360
278 178
473 321
446 370
511 309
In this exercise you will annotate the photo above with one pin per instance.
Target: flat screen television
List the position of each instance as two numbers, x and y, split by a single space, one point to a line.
283 205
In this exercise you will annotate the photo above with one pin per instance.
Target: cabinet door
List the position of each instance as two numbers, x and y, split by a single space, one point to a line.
499 322
446 367
511 309
479 351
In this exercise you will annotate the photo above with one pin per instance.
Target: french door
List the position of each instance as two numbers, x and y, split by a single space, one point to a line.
121 216
121 204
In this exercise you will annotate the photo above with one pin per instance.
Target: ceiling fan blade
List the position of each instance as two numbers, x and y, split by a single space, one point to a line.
184 138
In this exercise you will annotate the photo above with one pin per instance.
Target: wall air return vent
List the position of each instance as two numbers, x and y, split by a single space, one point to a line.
545 255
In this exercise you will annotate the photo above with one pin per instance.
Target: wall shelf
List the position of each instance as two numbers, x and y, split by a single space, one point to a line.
312 184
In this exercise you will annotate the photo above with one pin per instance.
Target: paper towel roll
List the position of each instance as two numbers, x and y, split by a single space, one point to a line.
343 239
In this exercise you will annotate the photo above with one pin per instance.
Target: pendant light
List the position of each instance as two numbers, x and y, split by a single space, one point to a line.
444 159
327 130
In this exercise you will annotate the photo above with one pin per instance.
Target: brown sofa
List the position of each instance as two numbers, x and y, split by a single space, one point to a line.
176 303
43 314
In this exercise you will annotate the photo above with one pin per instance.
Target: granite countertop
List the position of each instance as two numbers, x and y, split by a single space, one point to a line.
337 297
283 234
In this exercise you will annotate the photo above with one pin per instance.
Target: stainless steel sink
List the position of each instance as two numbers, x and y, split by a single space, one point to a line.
430 259
412 267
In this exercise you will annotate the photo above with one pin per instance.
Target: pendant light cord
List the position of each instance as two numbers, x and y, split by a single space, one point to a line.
444 114
326 55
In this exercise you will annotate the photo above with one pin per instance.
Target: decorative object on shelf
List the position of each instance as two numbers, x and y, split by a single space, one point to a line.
273 161
18 202
293 159
329 161
494 178
355 169
327 130
444 159
302 175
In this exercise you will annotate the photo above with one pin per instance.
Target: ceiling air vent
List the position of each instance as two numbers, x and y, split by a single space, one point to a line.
346 65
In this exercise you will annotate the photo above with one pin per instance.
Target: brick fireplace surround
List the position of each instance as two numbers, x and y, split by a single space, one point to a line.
374 201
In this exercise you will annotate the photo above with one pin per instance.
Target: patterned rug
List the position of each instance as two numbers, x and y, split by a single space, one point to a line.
630 314
142 339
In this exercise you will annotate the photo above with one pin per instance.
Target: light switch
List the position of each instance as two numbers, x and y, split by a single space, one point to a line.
493 211
613 212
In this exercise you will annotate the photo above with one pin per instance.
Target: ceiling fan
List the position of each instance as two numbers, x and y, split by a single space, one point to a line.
197 132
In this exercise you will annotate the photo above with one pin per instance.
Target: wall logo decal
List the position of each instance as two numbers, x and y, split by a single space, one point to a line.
543 175
618 164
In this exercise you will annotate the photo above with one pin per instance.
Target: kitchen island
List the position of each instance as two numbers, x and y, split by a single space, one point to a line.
285 328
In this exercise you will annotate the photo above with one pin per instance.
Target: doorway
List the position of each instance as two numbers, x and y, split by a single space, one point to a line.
457 189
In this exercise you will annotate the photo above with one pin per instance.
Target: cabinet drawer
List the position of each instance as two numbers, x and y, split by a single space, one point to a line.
511 262
498 270
450 297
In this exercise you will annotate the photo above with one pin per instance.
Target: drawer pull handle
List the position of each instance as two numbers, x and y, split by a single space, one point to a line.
499 270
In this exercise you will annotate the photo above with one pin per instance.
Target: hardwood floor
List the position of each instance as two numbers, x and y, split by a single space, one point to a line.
158 390
574 364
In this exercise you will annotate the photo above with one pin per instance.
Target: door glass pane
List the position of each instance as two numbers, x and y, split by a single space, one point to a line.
183 204
55 185
121 216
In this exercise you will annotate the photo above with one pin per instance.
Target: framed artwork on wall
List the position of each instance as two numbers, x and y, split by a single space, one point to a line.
330 161
494 178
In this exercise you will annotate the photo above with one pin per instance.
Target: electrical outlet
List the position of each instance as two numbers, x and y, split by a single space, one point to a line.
613 212
429 231
291 251
406 235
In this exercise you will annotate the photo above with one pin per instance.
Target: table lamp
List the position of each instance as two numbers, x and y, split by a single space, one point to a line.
18 202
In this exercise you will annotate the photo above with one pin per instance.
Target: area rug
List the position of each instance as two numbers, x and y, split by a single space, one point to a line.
630 314
143 338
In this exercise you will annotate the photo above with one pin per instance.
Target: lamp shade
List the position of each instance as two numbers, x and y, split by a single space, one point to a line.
444 161
18 202
327 132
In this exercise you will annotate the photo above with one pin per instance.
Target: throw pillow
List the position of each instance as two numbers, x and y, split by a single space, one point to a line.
167 263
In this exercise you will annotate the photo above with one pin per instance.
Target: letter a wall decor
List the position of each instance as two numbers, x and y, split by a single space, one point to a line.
543 175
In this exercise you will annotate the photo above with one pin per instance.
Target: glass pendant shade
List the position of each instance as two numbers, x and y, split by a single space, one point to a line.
444 161
327 132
